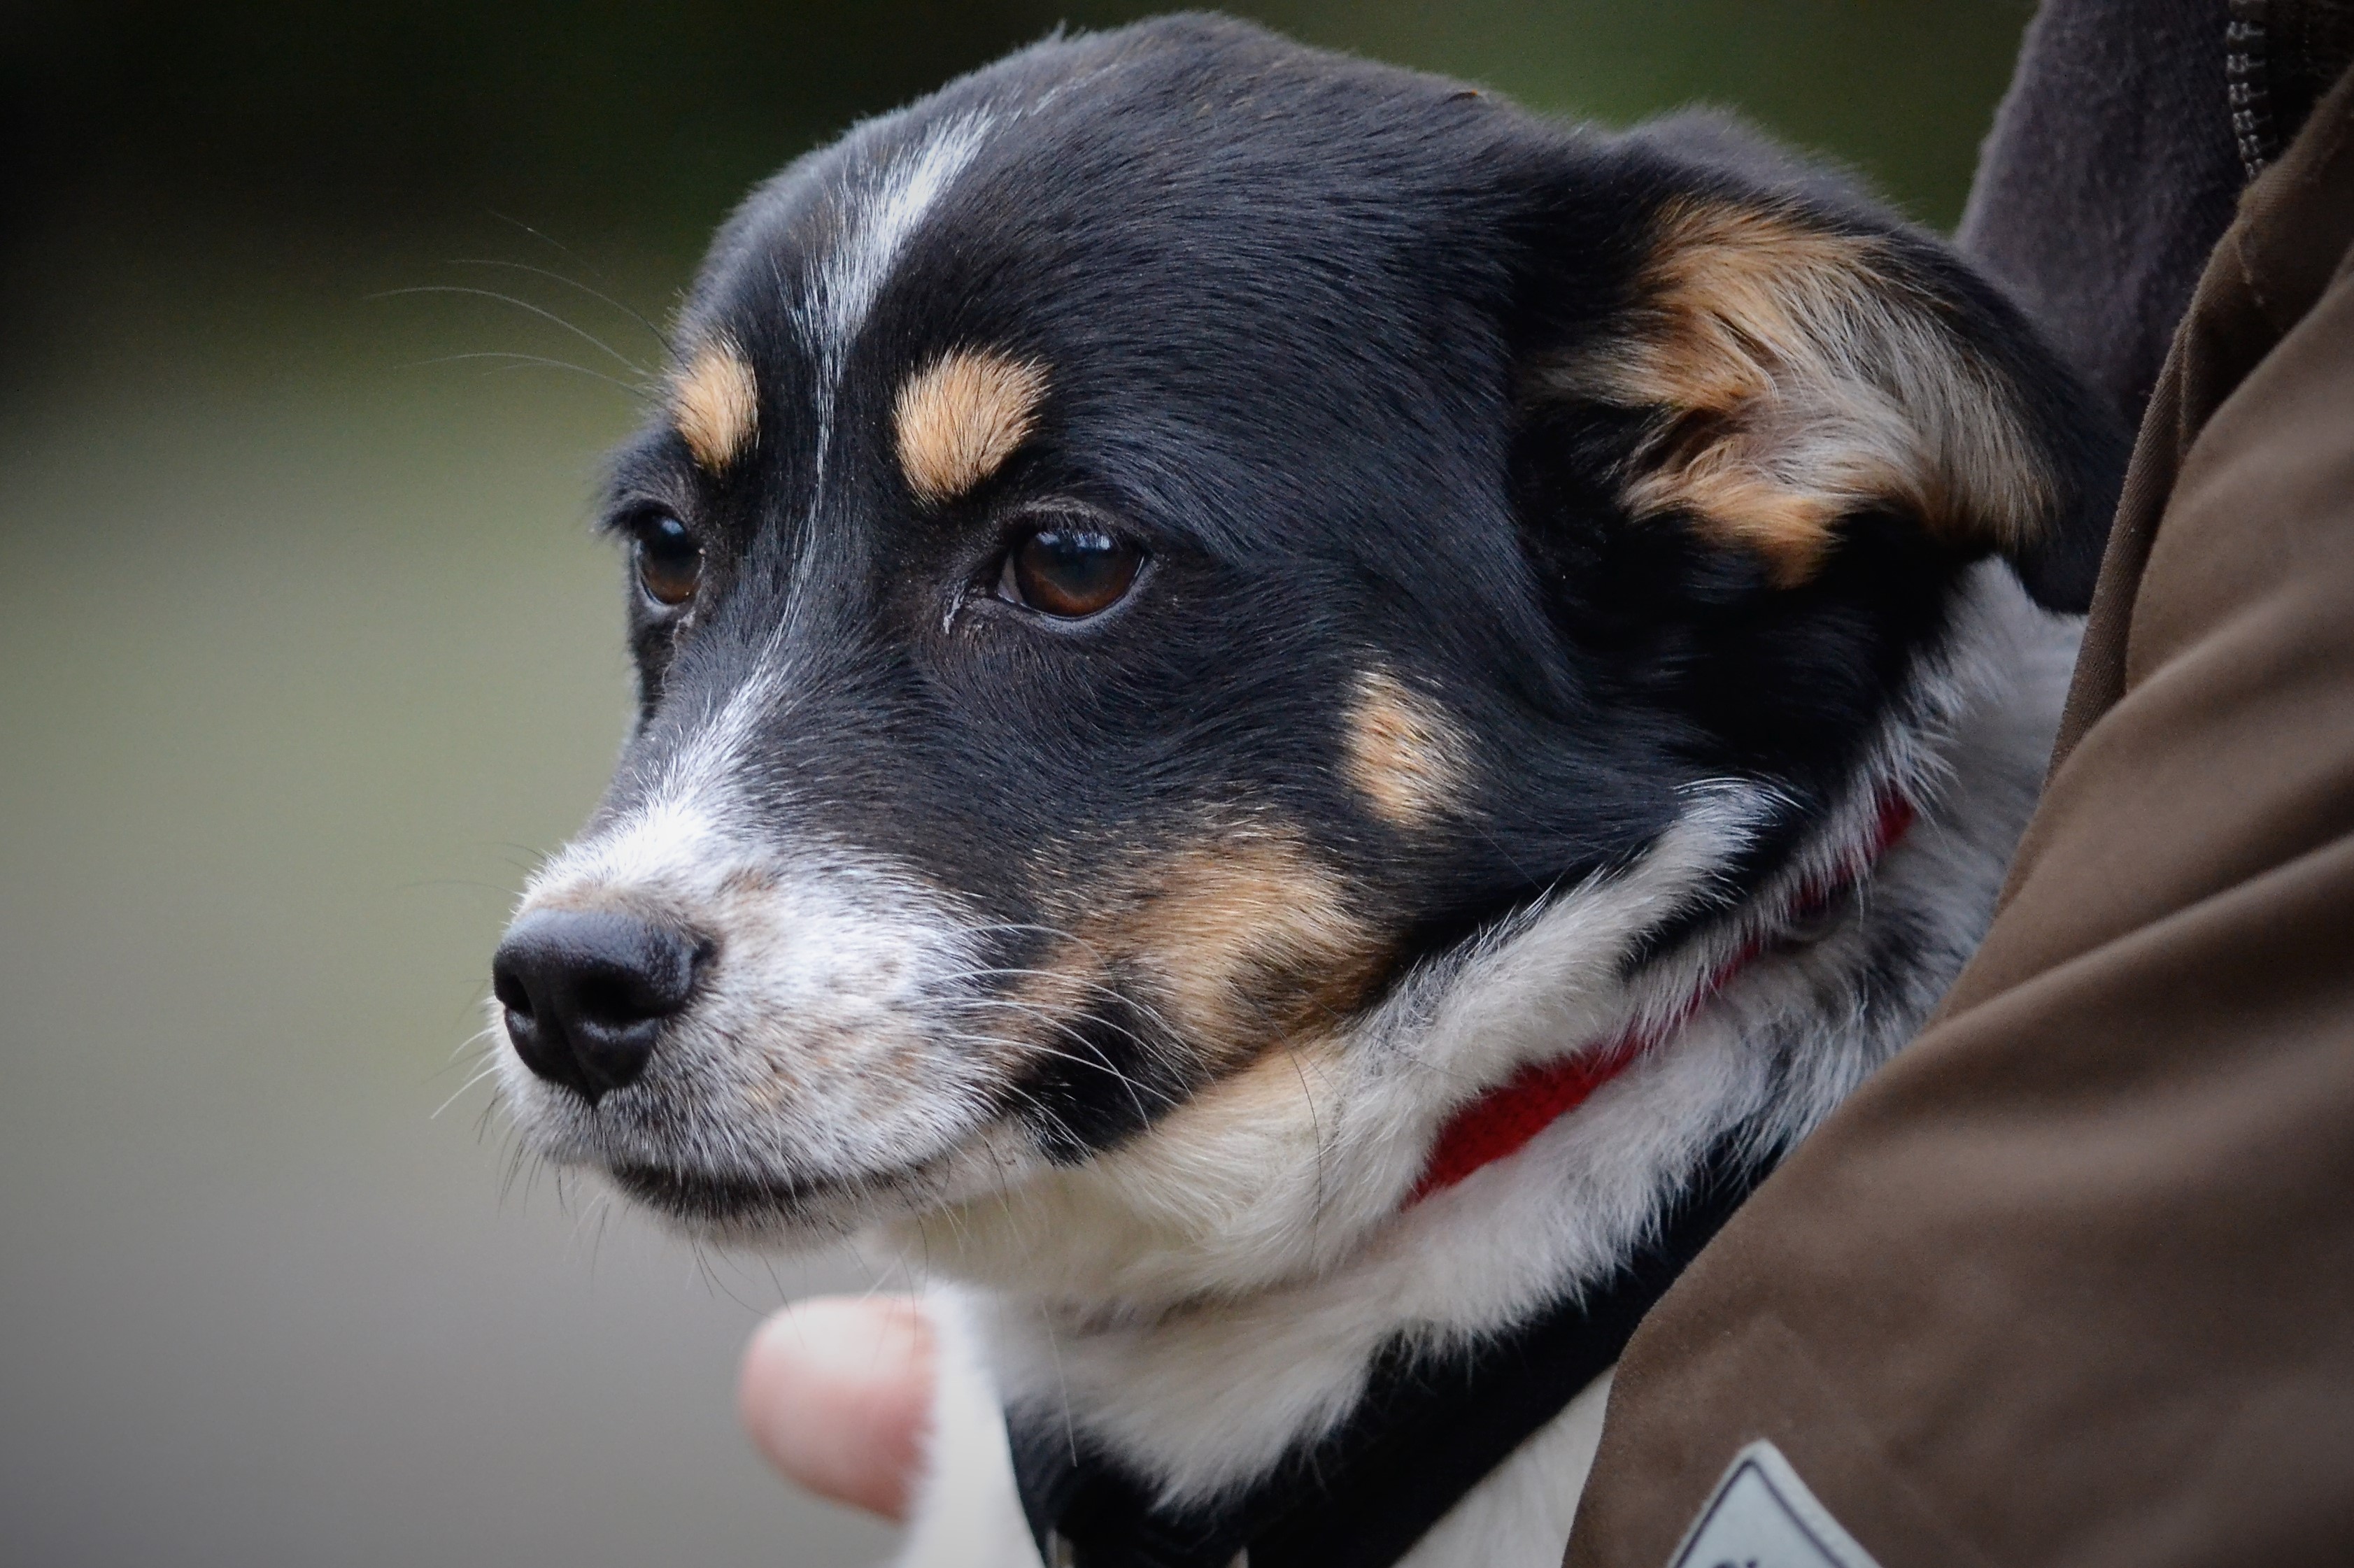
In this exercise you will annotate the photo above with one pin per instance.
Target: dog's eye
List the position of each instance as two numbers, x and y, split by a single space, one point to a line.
1069 572
669 561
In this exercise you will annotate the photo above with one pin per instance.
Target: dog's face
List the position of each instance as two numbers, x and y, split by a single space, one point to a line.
1142 550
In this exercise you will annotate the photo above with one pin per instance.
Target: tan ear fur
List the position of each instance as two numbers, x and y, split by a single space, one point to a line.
1798 379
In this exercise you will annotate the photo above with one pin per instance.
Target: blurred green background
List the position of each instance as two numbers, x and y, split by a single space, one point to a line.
305 651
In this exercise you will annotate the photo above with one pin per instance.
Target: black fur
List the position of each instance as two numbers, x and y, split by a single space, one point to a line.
1288 304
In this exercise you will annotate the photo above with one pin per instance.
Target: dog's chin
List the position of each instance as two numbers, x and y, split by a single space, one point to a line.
672 1161
773 1213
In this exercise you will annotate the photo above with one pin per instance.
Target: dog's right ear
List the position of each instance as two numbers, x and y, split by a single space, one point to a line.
1783 365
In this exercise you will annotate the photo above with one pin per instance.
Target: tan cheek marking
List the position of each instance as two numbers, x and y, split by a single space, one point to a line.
1255 942
958 419
1405 754
1804 385
714 403
1242 944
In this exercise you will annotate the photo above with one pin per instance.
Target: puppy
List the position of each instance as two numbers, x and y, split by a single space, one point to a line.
1292 722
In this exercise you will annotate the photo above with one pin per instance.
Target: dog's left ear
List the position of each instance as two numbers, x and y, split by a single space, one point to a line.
1786 363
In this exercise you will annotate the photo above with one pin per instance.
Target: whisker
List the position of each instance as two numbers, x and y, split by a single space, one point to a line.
540 311
487 1069
1066 1030
1056 931
1054 1117
1134 1088
529 362
1316 1129
970 1037
550 241
478 1037
1061 1380
550 274
730 1291
1151 1014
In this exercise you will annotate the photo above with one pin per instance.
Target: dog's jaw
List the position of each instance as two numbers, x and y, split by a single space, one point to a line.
1283 1170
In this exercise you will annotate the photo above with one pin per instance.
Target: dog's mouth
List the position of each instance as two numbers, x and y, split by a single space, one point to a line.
701 1198
745 1203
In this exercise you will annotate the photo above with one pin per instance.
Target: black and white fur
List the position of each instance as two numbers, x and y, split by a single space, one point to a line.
1122 968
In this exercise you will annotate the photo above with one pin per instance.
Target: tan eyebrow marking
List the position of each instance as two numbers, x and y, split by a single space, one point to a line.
714 403
962 416
1405 754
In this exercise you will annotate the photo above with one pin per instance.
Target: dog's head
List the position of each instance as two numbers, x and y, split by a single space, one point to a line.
1147 548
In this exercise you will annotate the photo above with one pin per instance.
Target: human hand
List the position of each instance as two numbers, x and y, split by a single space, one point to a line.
836 1392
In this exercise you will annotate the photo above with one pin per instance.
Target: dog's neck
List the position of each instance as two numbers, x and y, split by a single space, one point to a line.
1505 1119
1205 1300
1428 1430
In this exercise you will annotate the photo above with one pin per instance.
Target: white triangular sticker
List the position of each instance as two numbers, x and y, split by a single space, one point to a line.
1762 1515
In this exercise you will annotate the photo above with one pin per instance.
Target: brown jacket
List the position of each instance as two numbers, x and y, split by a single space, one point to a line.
2071 1281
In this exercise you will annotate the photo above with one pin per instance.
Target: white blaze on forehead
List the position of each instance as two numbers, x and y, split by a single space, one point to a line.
688 822
878 208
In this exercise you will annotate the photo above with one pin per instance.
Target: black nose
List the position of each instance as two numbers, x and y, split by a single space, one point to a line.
587 994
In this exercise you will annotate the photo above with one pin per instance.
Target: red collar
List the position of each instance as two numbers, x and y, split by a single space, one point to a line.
1503 1121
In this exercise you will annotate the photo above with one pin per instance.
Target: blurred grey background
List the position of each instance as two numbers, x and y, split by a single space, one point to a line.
306 651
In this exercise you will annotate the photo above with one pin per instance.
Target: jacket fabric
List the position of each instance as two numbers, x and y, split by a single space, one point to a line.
2109 172
2071 1280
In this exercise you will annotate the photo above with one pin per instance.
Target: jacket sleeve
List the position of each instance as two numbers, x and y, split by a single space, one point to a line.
2108 175
2071 1281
